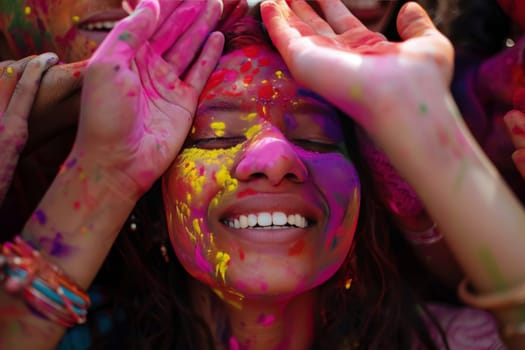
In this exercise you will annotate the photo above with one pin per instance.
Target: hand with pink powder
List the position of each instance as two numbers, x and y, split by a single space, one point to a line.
17 94
150 68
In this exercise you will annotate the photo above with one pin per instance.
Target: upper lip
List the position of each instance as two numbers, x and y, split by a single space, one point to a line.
102 16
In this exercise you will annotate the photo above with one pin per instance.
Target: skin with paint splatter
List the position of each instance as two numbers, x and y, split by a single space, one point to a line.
71 28
275 142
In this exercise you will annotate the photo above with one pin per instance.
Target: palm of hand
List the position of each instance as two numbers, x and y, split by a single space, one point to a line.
343 44
136 110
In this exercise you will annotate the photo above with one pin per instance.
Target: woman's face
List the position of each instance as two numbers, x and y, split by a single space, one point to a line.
375 14
71 28
262 200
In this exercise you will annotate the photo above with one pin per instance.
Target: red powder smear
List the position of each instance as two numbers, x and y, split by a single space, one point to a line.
297 248
2 128
246 66
263 286
76 74
241 254
256 70
245 193
201 171
251 51
76 205
266 91
171 86
248 79
265 61
516 130
132 93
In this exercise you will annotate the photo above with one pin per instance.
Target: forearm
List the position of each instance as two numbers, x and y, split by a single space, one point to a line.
481 219
73 227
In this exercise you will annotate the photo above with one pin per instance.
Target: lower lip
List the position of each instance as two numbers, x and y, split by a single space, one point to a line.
96 36
269 236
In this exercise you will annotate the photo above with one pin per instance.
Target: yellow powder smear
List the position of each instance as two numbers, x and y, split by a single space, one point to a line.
218 128
222 259
252 131
225 180
75 19
27 10
249 117
279 74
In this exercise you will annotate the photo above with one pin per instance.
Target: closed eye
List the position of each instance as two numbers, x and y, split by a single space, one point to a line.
317 146
216 142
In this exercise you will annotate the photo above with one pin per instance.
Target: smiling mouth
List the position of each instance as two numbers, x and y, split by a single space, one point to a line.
268 220
102 26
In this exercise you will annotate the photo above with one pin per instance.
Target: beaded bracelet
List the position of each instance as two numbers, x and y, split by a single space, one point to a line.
44 287
426 237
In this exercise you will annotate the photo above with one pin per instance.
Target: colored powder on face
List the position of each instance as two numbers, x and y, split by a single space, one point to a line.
27 10
246 66
251 51
10 70
265 61
241 254
234 344
248 78
76 205
225 180
246 193
201 261
222 260
279 74
265 320
40 216
249 117
76 74
218 128
75 19
265 91
297 248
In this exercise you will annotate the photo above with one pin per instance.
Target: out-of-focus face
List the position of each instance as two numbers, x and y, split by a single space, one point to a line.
71 28
262 200
375 14
516 10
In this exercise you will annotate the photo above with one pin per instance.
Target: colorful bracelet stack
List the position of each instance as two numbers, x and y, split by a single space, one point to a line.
44 287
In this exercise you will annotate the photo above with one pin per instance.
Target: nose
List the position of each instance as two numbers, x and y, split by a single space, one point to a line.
270 155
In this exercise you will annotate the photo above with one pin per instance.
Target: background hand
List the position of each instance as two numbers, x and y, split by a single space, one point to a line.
19 85
141 89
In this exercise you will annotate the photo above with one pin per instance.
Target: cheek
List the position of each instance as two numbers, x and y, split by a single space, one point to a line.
341 189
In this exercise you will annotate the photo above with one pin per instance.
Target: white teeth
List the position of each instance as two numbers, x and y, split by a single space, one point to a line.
264 219
279 218
243 220
252 220
273 220
106 25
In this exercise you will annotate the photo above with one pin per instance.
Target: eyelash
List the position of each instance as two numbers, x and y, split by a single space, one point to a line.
217 142
229 142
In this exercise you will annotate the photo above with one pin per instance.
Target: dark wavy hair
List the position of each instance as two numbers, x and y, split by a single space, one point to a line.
379 311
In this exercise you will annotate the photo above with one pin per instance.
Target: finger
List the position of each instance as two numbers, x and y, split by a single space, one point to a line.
518 157
175 24
183 52
129 34
413 21
282 25
10 72
310 17
27 87
202 68
339 16
515 123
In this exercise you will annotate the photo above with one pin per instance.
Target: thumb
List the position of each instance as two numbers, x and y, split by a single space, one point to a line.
413 21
